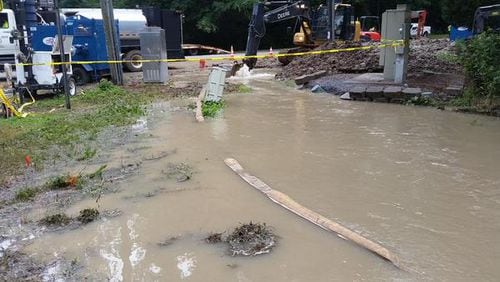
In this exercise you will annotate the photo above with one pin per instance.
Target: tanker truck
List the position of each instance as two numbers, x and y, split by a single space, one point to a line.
131 22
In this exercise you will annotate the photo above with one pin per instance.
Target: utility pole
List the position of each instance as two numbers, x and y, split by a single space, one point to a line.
62 54
111 41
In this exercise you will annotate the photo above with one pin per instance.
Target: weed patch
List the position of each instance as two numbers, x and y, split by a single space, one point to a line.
210 109
26 194
63 182
58 219
88 153
242 88
88 215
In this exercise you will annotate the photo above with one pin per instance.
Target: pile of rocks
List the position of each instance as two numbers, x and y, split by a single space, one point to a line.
434 55
339 62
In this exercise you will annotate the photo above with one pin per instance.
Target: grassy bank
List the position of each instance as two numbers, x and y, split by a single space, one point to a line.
50 124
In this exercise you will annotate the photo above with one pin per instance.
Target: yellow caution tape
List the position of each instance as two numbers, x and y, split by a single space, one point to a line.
8 104
394 43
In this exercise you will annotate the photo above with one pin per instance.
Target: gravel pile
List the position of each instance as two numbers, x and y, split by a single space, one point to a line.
434 55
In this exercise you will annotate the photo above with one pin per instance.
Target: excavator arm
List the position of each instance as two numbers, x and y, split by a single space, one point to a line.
257 27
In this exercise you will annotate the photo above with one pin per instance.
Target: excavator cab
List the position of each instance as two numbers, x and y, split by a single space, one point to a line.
487 18
343 23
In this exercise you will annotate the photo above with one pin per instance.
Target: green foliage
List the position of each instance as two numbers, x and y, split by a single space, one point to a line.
481 62
26 194
210 109
98 173
461 12
88 153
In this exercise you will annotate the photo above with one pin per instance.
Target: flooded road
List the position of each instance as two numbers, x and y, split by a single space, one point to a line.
422 182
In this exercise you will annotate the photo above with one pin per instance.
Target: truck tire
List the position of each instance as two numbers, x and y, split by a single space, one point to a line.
132 56
80 75
426 34
71 86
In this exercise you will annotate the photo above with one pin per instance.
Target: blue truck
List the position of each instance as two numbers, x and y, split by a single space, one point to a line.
89 45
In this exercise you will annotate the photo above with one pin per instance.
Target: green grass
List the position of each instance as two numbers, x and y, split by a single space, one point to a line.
44 128
87 154
448 57
210 109
26 194
244 89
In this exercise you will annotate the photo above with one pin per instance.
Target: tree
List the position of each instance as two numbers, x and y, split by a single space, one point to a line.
461 12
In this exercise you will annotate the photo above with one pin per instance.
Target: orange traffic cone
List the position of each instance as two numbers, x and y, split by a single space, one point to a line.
202 63
271 54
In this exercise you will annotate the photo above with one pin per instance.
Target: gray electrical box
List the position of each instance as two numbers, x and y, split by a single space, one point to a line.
215 86
396 26
153 47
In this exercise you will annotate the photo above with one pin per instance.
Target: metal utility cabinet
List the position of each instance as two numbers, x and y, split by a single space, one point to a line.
153 47
396 26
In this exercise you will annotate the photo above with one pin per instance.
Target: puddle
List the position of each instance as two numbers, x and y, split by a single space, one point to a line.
401 176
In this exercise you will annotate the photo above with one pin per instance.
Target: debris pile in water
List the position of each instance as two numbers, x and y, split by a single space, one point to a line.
181 172
88 215
247 239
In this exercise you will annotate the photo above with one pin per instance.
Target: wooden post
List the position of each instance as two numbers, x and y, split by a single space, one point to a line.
317 219
111 41
63 57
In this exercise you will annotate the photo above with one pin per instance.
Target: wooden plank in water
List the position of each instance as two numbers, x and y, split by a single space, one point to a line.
317 219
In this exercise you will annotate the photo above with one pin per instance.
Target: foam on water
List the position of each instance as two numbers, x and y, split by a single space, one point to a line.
245 73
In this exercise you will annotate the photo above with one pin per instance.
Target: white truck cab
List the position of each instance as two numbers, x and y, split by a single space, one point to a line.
426 31
8 46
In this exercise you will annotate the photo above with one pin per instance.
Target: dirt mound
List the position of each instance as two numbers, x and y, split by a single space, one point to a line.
435 55
341 62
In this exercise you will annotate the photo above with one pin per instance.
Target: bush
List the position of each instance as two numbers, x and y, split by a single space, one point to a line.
481 61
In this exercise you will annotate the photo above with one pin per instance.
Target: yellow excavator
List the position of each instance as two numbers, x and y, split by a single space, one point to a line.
315 25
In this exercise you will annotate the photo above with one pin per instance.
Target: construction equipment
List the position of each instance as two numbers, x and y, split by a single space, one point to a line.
419 29
315 25
487 18
370 28
35 69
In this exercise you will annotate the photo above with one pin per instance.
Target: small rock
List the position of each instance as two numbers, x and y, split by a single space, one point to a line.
317 89
346 96
357 93
427 94
410 93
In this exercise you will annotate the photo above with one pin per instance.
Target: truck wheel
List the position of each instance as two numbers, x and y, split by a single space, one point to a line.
72 86
80 75
130 57
193 52
426 34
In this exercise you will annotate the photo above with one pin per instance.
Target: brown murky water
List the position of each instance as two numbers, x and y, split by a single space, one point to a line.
422 182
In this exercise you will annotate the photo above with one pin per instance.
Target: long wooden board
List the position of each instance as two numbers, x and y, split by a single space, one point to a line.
319 220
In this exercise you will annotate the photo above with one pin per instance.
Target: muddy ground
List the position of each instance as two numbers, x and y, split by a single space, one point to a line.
35 201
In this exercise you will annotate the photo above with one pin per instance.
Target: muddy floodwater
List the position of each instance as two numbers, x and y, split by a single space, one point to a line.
422 182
